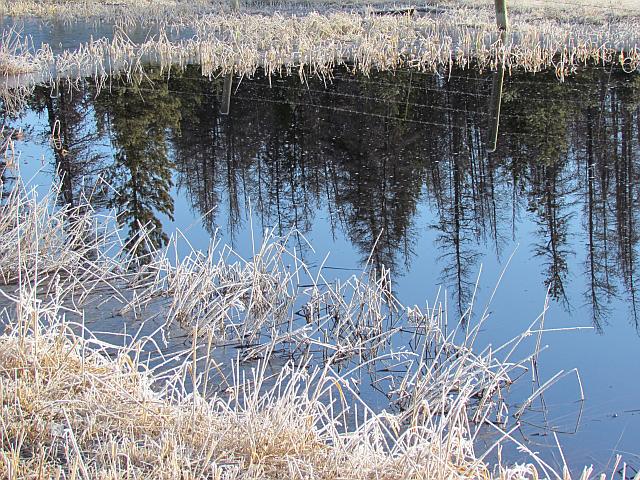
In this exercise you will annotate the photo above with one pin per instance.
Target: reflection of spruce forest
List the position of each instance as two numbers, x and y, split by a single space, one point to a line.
372 151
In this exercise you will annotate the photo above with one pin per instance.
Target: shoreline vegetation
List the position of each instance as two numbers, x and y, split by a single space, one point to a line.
77 406
306 38
593 11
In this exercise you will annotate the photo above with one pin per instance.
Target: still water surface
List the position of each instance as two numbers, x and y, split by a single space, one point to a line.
398 165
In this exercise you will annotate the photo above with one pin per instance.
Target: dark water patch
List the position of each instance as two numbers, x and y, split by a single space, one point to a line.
398 165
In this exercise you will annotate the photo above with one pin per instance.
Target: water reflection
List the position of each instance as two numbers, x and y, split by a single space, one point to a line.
138 120
496 97
376 153
73 139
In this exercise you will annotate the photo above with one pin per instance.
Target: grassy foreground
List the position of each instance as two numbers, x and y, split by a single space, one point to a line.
69 410
75 406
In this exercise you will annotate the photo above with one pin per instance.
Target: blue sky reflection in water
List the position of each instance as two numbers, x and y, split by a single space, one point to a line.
401 158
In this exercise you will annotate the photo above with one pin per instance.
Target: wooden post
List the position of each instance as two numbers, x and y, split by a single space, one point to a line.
501 15
235 5
226 94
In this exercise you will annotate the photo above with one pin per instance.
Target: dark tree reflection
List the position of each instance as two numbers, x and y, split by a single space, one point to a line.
138 118
625 132
383 160
372 150
75 142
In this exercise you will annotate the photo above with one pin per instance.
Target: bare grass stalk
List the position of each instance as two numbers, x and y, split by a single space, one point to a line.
16 55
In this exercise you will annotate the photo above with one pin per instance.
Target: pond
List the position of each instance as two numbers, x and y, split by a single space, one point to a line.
395 169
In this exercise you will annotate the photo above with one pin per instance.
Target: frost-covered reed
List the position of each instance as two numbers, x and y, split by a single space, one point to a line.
130 11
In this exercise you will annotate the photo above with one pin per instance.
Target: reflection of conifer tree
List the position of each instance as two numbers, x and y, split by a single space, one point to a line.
549 192
198 143
597 208
603 156
212 151
461 215
599 285
256 152
138 117
374 206
232 175
286 194
361 146
73 138
383 168
626 185
62 116
542 144
456 227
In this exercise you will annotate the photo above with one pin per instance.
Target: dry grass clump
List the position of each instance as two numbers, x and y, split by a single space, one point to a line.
273 302
153 10
230 296
33 237
76 407
462 37
16 55
71 409
70 248
581 11
127 11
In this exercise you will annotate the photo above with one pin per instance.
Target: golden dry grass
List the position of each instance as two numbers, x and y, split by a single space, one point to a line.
76 407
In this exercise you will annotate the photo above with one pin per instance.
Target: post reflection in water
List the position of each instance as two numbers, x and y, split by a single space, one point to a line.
226 95
496 100
383 153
